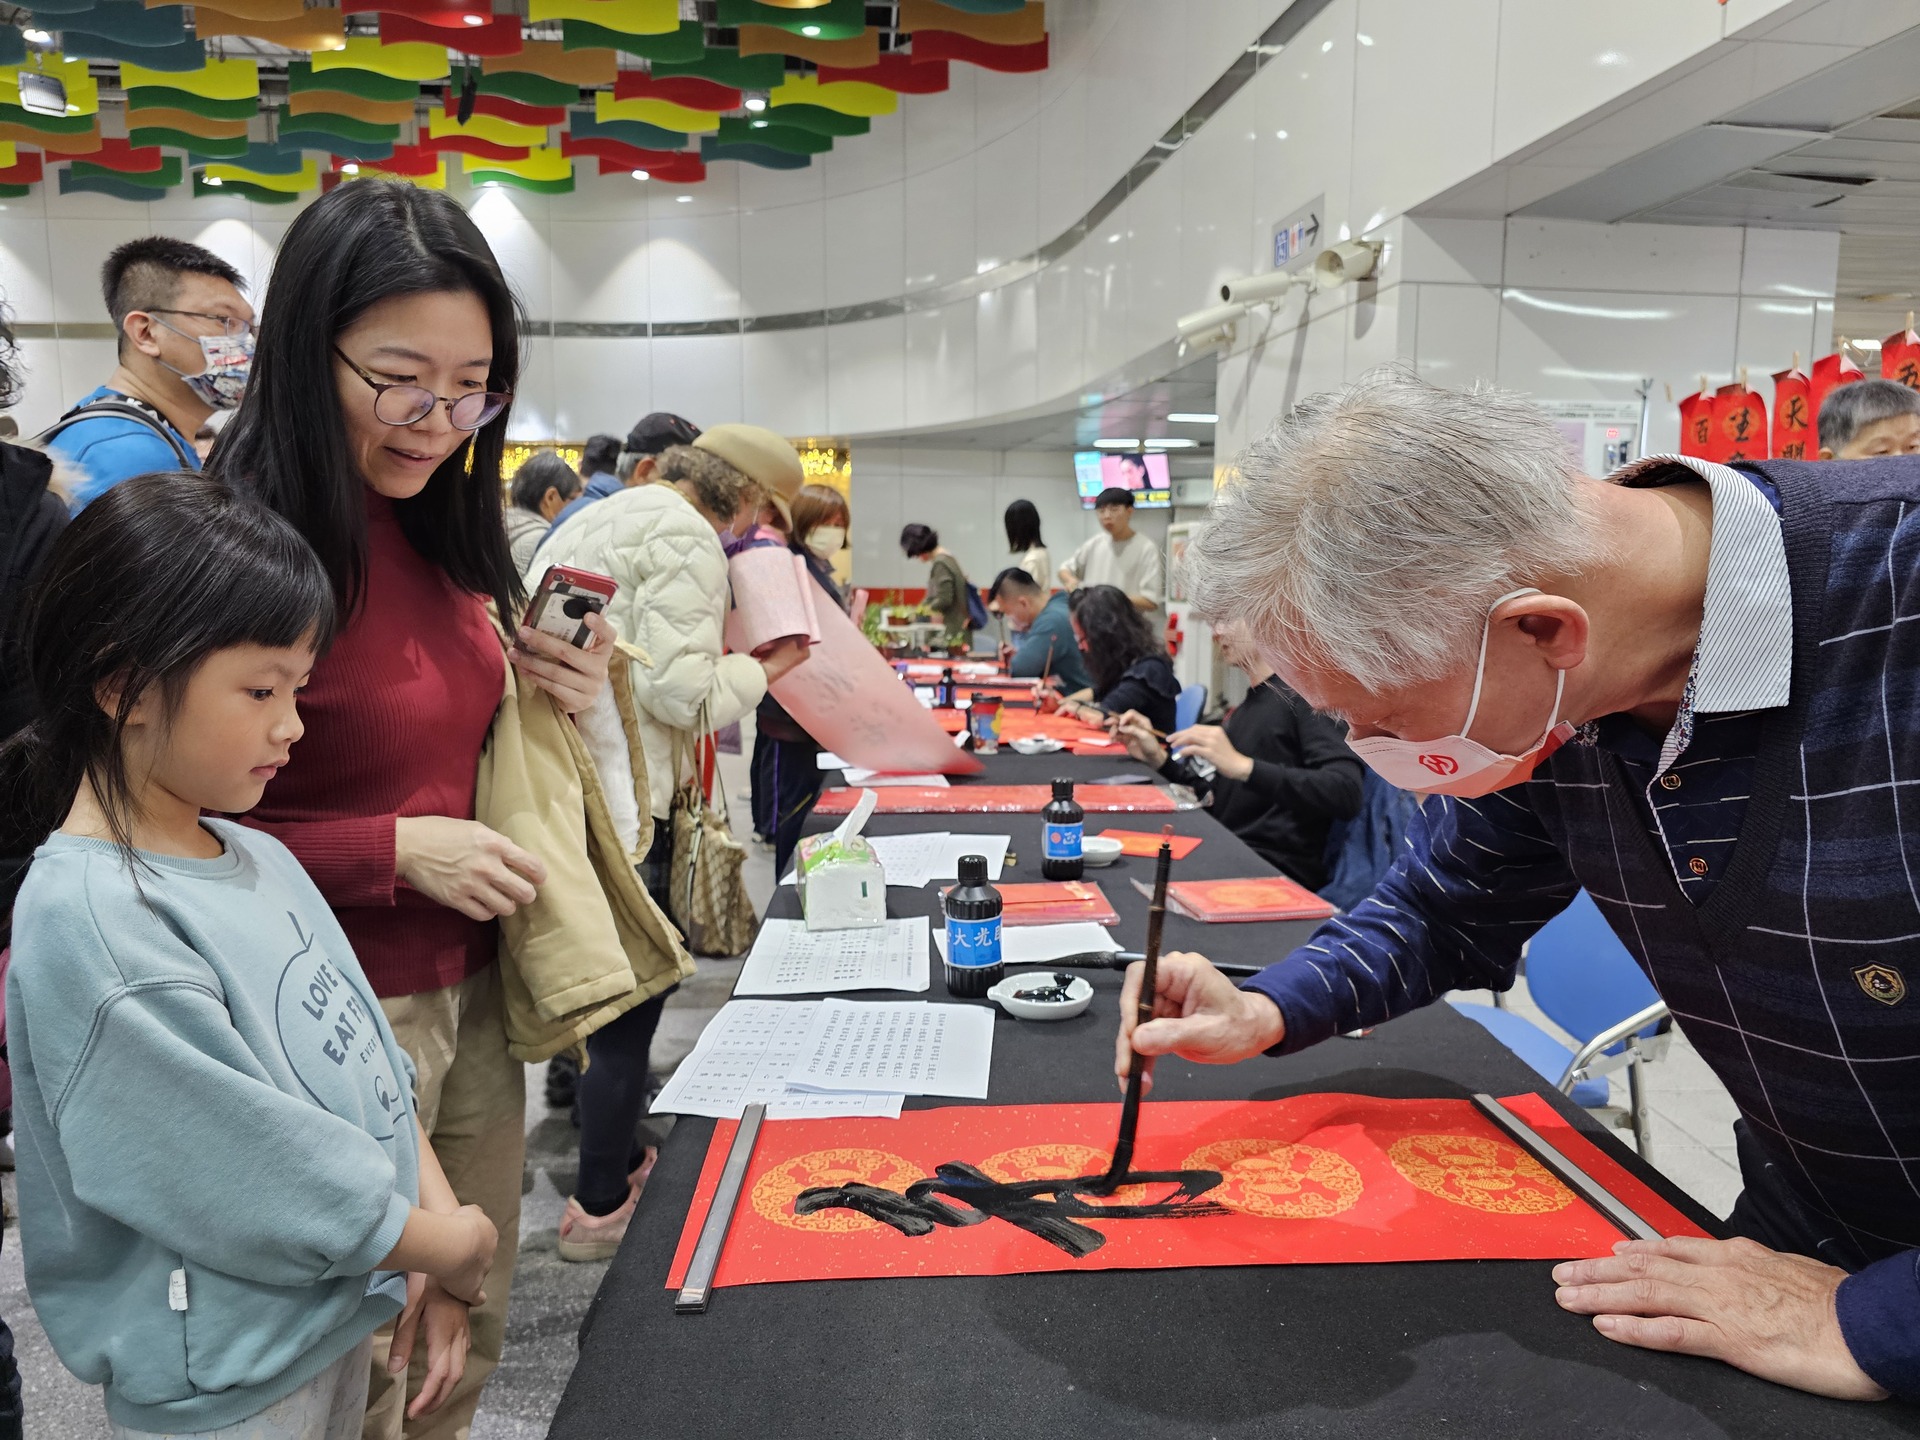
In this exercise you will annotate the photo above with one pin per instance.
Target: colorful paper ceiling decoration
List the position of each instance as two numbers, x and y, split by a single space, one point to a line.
628 84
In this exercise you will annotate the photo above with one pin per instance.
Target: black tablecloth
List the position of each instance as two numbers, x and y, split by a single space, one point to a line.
1458 1349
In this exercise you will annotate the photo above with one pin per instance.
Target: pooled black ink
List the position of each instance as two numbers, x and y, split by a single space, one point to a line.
1023 1203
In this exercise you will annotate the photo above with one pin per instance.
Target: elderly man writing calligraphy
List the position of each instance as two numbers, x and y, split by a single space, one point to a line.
1690 690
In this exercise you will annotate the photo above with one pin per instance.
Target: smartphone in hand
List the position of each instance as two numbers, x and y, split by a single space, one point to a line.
564 600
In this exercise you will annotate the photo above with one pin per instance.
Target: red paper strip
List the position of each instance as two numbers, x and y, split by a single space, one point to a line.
1740 423
1830 372
1008 59
691 91
116 154
902 74
1900 358
997 799
498 36
680 167
1314 1179
1696 427
447 14
405 160
1054 902
1792 415
1263 897
1146 843
27 168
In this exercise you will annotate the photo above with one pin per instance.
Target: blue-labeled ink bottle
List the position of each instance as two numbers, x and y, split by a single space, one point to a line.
973 931
1063 826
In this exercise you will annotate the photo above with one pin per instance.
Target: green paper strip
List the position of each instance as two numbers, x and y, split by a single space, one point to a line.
13 51
820 120
520 182
584 125
324 124
686 43
15 192
791 138
346 149
48 124
270 158
730 67
109 183
171 172
259 194
528 89
199 146
765 156
158 96
836 20
363 83
188 55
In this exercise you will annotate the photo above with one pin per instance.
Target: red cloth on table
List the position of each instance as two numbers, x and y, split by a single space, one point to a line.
396 715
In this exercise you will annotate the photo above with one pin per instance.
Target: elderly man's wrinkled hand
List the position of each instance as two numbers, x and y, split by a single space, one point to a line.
1762 1311
1198 1014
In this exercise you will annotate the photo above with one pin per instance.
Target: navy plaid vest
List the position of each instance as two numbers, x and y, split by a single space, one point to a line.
1798 978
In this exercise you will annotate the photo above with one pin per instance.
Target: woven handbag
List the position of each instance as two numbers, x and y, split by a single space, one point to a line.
708 894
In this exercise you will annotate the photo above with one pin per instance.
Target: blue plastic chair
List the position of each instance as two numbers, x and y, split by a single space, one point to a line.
1582 977
1188 705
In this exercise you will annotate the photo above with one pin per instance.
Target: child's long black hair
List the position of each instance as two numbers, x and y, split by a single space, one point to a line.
150 579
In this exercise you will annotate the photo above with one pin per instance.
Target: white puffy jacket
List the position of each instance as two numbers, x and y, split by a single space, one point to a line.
672 604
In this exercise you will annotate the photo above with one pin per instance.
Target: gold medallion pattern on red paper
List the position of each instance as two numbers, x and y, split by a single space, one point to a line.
1272 1178
773 1192
1479 1173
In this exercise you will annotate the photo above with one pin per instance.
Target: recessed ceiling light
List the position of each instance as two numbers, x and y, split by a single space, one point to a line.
1279 134
760 124
1129 444
1193 417
641 175
812 32
349 169
1163 442
36 37
684 199
1325 46
212 179
473 19
1364 39
756 104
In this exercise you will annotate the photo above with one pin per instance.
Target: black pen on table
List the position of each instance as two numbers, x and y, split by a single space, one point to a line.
1143 1012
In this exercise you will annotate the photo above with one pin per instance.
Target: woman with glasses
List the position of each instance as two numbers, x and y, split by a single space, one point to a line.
374 421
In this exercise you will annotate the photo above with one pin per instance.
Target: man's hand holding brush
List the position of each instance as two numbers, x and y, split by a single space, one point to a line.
1198 1014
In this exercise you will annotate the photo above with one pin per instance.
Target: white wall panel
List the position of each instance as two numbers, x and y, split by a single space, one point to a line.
699 376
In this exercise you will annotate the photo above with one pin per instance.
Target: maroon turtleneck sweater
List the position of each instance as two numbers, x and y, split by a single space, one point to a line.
396 715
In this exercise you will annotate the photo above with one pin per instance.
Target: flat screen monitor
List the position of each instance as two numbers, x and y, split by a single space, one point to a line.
1145 475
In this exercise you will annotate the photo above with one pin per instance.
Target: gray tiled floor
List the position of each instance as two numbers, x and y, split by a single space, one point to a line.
1692 1142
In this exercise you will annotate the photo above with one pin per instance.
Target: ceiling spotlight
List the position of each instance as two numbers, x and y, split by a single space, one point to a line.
812 32
1127 444
755 103
1193 417
36 37
642 175
349 169
473 19
213 179
1161 442
761 124
684 199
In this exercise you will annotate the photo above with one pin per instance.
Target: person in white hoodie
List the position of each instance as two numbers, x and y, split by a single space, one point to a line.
661 542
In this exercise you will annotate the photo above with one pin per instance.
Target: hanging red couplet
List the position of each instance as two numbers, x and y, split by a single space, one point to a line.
1739 423
1313 1179
1696 427
1830 372
1792 416
1900 358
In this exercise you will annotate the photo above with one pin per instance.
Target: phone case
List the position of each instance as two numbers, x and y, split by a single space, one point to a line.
564 600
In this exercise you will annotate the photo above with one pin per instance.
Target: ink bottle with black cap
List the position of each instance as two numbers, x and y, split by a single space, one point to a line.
943 695
1062 829
973 964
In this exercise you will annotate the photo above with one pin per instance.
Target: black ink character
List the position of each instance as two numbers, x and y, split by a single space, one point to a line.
1024 1204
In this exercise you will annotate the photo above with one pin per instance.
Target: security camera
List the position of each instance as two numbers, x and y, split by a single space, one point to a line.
1349 260
1207 341
1214 317
1268 289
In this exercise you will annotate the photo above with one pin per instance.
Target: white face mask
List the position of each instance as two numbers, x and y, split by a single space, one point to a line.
826 541
1453 764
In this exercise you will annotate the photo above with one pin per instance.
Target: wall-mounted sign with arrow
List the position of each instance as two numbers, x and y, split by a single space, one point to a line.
1296 238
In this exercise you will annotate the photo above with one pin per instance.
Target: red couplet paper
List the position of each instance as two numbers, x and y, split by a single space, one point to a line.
997 799
1314 1179
1792 415
1056 902
1146 843
852 701
1900 358
1264 897
1696 427
1830 372
1740 423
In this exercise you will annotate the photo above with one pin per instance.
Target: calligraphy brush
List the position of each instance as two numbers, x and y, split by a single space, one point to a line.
1121 959
1137 1066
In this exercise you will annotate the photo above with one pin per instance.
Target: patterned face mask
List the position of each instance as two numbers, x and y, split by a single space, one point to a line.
229 361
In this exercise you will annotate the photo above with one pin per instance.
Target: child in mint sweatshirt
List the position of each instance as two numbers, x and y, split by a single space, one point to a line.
223 1185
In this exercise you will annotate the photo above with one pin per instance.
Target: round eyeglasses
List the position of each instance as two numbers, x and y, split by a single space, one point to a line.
232 326
410 404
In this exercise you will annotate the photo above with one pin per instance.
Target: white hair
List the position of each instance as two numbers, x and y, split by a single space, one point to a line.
1369 531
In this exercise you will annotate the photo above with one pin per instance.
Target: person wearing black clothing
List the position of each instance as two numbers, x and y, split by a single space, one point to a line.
1277 774
1129 666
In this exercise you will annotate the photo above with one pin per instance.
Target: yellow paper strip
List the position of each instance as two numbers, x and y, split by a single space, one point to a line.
52 144
549 58
654 111
83 91
629 17
354 107
164 117
411 60
307 178
542 164
319 29
848 97
486 127
220 80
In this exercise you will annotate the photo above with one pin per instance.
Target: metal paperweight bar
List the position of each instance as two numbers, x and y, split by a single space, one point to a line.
1595 1194
698 1286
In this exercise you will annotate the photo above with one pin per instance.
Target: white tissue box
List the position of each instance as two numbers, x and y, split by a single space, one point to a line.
842 883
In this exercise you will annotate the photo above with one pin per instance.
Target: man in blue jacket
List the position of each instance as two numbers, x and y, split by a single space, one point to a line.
1689 690
1045 629
186 343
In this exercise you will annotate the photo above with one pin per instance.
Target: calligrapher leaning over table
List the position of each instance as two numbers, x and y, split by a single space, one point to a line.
1687 689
